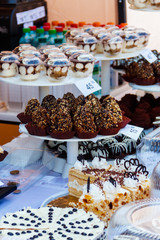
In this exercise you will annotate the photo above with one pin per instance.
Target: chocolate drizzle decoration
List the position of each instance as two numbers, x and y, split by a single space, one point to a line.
88 184
131 175
113 181
81 158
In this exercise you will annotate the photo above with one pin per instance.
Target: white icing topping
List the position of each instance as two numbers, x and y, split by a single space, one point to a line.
95 192
100 164
80 166
131 183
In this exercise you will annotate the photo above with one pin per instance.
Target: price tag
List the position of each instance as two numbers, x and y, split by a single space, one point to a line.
1 183
148 55
28 24
131 131
87 86
30 15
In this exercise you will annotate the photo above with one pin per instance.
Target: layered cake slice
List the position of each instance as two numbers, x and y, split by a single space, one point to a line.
79 174
51 223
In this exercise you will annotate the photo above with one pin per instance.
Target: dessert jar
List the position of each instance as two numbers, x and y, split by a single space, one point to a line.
82 64
29 67
29 51
8 64
57 68
89 44
143 37
138 3
130 42
70 51
112 45
21 47
100 36
155 3
70 34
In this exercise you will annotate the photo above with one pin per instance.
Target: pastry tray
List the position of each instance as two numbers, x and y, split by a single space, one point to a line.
140 219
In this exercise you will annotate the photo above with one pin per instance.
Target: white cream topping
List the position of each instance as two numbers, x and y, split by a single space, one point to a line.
80 166
100 164
95 192
131 183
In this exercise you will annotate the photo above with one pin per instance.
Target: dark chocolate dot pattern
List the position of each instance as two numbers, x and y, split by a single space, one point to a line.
69 224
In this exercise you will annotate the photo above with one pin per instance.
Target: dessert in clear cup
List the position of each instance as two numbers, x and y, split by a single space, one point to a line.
81 34
138 3
112 45
100 36
21 47
130 42
89 44
82 64
143 37
70 34
47 48
155 3
57 68
8 64
70 51
29 67
29 50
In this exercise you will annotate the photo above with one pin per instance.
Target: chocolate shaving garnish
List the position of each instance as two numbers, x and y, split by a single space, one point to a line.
127 164
131 175
113 181
142 169
88 184
134 161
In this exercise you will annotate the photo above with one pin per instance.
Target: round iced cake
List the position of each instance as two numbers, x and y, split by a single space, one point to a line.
51 223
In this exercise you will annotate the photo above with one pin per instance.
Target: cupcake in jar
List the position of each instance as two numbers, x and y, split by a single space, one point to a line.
29 51
112 45
22 47
100 36
82 64
155 3
70 51
138 3
29 67
57 68
70 34
8 64
130 42
89 44
143 37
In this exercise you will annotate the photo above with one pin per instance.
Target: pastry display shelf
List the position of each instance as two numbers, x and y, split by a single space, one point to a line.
149 88
105 68
72 146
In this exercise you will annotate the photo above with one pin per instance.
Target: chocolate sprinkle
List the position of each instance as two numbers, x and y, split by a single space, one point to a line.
88 184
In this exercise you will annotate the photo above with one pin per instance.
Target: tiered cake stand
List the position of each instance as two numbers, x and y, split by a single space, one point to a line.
44 84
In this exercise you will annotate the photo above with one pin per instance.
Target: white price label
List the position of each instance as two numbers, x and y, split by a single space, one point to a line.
131 131
87 86
28 24
1 183
30 15
148 55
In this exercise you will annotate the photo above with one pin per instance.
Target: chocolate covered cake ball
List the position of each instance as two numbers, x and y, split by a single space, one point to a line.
32 105
39 123
26 116
61 125
84 123
48 102
71 100
110 104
